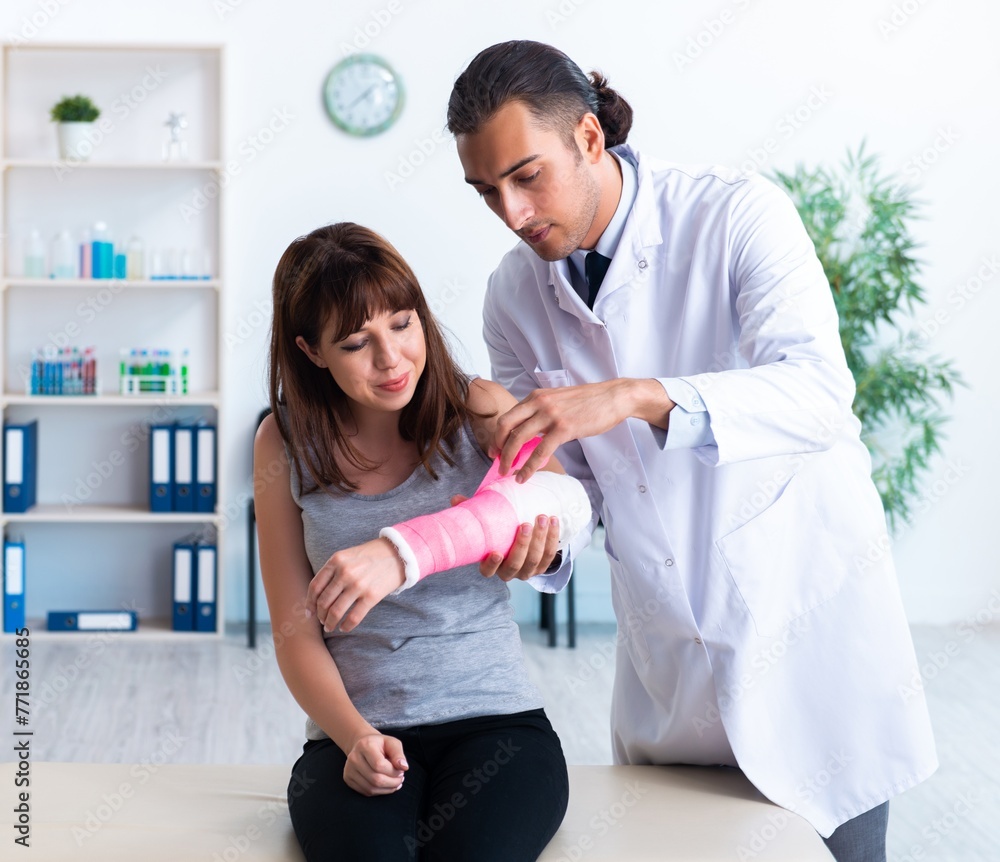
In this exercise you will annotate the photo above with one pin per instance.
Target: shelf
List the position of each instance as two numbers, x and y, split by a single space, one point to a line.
114 283
198 399
66 166
55 513
151 629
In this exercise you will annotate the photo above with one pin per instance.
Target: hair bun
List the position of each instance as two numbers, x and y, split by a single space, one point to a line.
613 111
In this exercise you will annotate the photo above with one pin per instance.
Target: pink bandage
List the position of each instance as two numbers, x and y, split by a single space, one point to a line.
464 534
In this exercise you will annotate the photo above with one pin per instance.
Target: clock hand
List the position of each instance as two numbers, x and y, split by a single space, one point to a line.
363 96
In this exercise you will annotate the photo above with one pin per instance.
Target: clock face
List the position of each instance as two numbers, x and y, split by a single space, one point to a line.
363 95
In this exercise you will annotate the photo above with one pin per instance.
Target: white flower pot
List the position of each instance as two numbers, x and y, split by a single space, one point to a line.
75 141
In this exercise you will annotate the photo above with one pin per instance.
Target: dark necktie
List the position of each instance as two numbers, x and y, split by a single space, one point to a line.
595 267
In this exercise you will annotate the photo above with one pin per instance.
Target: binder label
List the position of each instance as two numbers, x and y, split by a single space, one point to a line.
182 455
206 456
14 456
104 620
14 570
206 574
182 574
161 456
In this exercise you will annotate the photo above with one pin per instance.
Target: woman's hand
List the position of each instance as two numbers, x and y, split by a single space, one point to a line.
352 582
375 765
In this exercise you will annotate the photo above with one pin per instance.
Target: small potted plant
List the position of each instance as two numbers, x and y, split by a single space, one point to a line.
74 116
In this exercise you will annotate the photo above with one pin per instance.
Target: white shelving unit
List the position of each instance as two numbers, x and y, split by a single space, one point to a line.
91 542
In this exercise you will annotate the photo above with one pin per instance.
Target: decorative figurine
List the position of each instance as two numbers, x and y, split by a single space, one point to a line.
175 149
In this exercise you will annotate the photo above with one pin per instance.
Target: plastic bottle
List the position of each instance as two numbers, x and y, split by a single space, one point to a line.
34 255
135 265
86 256
103 252
64 256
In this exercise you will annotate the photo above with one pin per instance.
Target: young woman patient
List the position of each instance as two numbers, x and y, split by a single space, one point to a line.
426 740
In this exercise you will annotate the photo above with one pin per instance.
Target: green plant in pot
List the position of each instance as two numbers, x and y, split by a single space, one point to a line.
858 219
75 116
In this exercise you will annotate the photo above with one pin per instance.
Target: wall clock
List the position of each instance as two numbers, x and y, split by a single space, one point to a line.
363 95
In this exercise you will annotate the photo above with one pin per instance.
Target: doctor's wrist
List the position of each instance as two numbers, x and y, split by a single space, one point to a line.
648 400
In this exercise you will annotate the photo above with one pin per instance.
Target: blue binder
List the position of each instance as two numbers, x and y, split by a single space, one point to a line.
184 583
161 468
184 467
20 466
205 615
93 621
13 586
205 468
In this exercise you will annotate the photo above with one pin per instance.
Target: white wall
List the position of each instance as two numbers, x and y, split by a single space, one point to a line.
899 74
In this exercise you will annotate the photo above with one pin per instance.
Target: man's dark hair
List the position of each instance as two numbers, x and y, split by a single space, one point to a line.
546 81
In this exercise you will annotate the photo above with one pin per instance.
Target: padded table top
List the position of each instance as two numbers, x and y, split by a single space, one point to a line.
225 813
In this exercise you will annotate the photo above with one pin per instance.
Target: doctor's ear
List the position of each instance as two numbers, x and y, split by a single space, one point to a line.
309 351
589 136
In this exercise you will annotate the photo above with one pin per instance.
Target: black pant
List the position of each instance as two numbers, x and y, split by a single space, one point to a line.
491 788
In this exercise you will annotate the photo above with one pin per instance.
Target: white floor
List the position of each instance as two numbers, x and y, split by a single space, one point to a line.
110 700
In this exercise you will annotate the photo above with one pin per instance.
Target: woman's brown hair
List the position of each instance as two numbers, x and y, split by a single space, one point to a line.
351 270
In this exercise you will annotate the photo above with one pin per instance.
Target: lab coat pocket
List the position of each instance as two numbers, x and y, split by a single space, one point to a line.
552 379
630 620
784 561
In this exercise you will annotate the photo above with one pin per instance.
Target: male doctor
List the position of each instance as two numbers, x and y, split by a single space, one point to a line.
670 331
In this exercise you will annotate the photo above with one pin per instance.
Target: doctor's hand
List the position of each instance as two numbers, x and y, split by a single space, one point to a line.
532 553
375 765
571 412
352 582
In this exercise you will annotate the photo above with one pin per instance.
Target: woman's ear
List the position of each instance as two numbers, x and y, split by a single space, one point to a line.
309 351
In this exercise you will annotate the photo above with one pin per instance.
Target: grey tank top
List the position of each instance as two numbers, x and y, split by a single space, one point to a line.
445 649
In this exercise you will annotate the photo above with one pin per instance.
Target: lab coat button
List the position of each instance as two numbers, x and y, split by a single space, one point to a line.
668 562
642 489
696 420
643 264
697 641
696 402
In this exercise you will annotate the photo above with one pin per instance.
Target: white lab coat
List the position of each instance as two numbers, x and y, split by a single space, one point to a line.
763 554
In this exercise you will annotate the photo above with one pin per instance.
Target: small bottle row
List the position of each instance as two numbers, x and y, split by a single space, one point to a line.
95 255
73 371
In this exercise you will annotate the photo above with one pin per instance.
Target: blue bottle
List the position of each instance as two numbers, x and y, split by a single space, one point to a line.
103 252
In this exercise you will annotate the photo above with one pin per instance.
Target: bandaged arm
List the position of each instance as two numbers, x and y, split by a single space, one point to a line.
488 521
